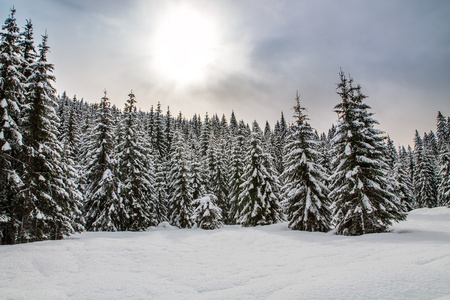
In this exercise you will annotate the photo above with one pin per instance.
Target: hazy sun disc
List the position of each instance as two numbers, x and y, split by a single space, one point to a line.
185 46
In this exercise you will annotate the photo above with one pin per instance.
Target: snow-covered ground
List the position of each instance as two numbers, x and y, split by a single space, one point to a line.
270 262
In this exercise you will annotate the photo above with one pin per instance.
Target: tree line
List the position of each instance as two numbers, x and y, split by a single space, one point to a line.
69 166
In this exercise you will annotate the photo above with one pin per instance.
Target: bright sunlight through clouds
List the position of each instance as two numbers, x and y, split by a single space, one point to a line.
186 45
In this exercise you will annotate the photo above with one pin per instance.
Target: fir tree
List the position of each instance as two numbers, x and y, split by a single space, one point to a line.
207 215
205 136
51 202
425 185
237 172
362 194
161 202
135 173
305 193
180 209
159 138
102 206
259 199
444 187
443 136
217 179
404 187
11 93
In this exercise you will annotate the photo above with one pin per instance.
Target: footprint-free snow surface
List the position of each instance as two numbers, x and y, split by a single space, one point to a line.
270 262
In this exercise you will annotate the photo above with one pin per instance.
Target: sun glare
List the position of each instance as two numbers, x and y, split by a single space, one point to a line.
185 46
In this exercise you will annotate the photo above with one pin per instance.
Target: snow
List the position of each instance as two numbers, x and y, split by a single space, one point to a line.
270 262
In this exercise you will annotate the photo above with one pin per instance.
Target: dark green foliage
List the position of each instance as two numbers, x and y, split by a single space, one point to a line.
306 197
207 215
361 190
259 199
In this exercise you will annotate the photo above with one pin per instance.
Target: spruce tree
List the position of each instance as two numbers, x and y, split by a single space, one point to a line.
361 190
237 171
160 213
102 206
443 136
11 93
444 187
207 215
159 137
404 187
135 173
180 202
259 199
51 203
305 194
425 185
217 177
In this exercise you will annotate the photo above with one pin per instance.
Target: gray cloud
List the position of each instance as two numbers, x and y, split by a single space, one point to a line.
399 51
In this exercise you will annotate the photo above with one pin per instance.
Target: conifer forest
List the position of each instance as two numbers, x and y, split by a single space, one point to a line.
68 165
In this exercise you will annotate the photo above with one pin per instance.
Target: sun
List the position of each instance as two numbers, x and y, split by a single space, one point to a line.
185 46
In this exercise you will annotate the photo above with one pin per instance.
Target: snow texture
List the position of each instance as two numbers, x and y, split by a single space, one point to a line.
269 262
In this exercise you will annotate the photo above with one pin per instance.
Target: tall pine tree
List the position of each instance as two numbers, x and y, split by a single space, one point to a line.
305 194
362 194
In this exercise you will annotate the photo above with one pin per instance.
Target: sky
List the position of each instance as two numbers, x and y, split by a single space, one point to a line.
252 56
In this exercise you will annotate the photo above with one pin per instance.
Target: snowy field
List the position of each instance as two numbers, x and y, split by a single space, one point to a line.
271 262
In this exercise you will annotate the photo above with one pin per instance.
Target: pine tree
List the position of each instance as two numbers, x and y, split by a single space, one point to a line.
237 172
180 206
11 93
217 177
362 194
425 186
162 199
306 197
159 138
404 187
102 206
444 187
205 136
135 173
233 123
69 129
207 215
51 203
443 136
259 199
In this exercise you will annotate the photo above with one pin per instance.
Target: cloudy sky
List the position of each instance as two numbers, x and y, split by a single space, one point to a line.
251 56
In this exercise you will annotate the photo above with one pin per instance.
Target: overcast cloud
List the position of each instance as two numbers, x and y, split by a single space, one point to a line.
399 51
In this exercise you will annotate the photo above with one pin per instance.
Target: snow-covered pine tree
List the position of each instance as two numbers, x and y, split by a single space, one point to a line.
207 215
168 131
259 199
159 137
69 129
135 172
233 123
404 187
51 202
217 179
205 136
103 209
444 187
197 180
28 50
180 201
362 193
442 134
160 213
305 194
425 187
237 171
11 93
